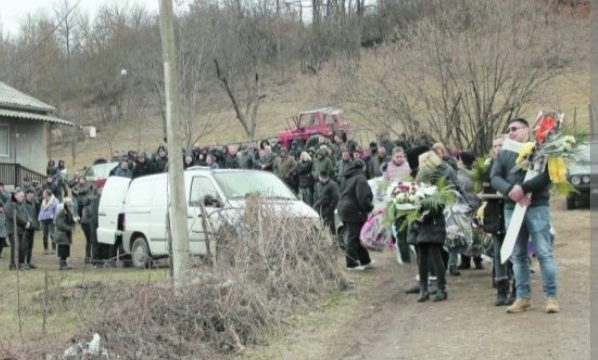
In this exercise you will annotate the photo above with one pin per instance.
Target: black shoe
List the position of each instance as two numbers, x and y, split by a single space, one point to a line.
479 266
512 295
441 295
502 293
454 271
423 296
12 267
31 266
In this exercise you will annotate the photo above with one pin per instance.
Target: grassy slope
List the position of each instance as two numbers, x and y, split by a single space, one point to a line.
568 92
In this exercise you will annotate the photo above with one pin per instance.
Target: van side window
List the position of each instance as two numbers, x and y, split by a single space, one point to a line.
200 187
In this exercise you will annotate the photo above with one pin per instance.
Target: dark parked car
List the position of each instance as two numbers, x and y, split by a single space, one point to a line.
584 176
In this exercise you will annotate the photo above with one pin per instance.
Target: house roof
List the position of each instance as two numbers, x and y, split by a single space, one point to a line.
16 104
34 116
13 99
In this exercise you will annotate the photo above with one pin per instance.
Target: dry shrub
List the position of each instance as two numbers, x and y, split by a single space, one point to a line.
262 272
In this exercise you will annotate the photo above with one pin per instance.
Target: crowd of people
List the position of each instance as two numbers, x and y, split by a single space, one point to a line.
329 175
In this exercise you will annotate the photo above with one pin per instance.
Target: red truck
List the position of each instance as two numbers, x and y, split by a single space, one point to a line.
324 121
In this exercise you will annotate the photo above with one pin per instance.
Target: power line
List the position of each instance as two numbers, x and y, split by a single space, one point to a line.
19 63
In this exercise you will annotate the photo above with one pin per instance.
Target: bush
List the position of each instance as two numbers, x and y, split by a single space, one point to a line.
258 277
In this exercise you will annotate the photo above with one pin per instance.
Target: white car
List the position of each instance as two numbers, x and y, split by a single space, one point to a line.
133 214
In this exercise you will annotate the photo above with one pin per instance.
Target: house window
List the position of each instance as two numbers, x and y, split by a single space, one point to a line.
4 141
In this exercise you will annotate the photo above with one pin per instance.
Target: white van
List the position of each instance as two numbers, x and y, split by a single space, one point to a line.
133 214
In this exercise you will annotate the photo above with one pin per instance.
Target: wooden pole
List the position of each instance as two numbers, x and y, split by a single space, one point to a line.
593 127
177 208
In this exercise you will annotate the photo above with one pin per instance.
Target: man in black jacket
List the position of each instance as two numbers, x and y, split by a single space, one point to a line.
143 167
29 234
327 199
533 194
15 211
353 208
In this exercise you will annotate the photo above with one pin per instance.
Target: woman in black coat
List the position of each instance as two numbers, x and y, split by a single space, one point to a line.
428 235
306 180
354 206
65 223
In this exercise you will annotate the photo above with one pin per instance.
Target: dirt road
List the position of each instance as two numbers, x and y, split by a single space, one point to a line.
383 322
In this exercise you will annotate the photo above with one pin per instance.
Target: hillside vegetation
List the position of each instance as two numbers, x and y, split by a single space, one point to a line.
453 70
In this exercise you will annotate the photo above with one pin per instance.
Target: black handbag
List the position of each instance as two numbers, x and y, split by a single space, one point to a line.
494 218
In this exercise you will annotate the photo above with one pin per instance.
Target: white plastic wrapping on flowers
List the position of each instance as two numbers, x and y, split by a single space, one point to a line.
459 229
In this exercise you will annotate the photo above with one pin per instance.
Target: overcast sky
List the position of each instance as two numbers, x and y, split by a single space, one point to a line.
13 12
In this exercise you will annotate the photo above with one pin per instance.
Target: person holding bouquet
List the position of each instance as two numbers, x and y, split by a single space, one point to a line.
429 232
508 179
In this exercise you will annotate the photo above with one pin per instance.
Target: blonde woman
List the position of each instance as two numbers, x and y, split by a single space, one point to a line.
306 180
443 153
429 234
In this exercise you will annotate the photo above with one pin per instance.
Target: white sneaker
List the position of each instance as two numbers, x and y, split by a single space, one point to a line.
369 266
355 268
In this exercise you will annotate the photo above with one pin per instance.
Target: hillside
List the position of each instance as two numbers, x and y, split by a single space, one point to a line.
569 93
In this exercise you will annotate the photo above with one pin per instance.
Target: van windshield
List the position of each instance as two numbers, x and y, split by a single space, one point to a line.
237 185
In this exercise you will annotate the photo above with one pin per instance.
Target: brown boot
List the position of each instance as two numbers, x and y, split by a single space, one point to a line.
519 305
552 306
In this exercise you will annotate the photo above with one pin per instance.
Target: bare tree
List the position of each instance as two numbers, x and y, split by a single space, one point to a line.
247 116
463 72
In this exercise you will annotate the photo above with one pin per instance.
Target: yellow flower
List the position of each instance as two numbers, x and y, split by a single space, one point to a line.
527 150
480 212
557 169
570 139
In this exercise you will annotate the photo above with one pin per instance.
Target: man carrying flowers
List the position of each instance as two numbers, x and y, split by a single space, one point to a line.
507 176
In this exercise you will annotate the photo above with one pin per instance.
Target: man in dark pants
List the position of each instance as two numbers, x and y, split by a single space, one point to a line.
326 200
353 208
30 204
15 211
100 252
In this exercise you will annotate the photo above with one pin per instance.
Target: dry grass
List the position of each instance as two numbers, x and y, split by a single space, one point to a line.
569 92
259 280
68 302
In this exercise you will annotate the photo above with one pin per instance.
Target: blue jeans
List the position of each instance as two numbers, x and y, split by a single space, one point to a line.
535 227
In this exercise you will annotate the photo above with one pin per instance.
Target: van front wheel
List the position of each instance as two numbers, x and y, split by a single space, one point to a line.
140 255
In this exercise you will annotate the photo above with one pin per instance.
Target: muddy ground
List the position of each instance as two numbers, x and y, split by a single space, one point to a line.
382 322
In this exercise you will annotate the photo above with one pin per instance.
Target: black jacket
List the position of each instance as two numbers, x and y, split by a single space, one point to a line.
432 228
232 162
142 169
32 212
503 179
326 199
22 216
306 180
160 164
356 196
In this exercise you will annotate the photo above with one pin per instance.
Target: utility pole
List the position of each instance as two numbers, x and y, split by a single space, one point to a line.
279 41
177 208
